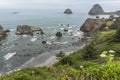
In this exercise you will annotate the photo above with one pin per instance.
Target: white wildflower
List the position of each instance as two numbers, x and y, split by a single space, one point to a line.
111 58
111 51
111 55
104 52
81 66
103 55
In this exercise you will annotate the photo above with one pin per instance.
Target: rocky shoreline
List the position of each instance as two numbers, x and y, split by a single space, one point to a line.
25 47
48 58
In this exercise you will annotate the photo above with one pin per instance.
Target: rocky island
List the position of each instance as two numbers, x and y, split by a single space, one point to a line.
68 11
26 29
98 10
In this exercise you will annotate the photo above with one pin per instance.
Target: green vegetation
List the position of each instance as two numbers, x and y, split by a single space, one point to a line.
116 37
99 60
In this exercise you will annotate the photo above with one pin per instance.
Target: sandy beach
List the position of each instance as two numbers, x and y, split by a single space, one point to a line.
49 58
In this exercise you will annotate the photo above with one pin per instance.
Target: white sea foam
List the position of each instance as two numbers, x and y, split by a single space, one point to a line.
70 31
9 55
52 37
62 28
61 42
12 30
33 39
77 33
48 42
25 35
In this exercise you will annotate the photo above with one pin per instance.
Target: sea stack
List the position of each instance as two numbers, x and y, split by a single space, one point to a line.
2 32
96 10
26 29
68 11
91 25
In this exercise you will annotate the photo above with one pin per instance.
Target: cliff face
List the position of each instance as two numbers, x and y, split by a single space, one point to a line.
26 29
96 10
2 32
91 25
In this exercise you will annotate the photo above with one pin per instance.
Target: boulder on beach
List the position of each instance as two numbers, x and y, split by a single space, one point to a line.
2 32
96 10
68 11
26 29
59 34
91 25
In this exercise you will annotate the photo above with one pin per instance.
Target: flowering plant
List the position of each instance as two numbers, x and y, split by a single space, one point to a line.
109 55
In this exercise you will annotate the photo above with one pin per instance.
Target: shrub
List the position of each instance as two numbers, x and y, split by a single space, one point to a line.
89 52
116 37
67 60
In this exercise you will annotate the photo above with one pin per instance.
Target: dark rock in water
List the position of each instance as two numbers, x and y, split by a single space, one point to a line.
59 34
15 13
61 24
65 30
15 43
43 42
42 32
68 11
63 33
68 25
2 32
7 31
96 10
91 25
26 29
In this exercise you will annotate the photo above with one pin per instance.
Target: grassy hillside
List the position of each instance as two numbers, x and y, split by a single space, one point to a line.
97 61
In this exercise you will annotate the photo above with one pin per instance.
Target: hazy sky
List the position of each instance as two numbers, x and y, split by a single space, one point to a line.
115 4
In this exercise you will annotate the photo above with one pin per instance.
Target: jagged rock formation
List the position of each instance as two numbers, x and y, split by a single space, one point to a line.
96 10
2 32
91 25
26 29
68 11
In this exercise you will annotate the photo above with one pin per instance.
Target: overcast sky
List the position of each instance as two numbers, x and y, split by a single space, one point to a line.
57 3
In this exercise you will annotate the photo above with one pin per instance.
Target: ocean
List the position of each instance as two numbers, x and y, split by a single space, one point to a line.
15 51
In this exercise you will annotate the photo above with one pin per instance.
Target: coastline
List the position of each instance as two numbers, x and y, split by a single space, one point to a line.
49 58
41 60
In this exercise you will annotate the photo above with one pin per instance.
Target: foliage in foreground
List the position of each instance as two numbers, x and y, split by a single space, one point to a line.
88 71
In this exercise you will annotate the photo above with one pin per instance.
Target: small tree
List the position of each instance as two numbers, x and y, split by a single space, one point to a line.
89 52
67 60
